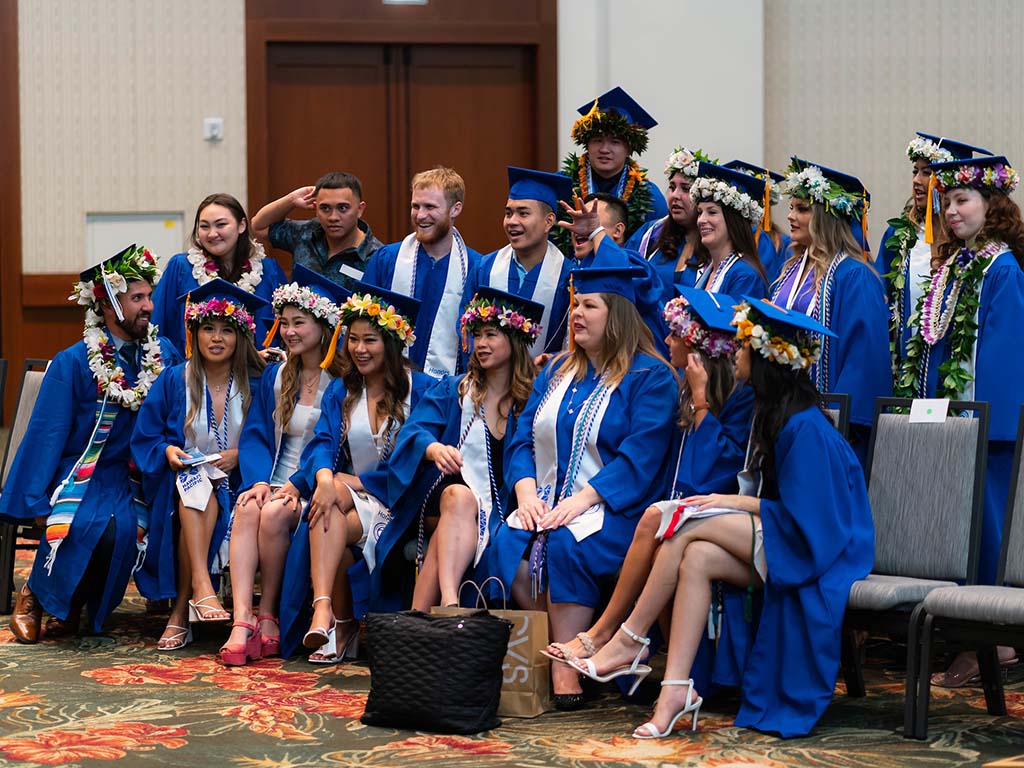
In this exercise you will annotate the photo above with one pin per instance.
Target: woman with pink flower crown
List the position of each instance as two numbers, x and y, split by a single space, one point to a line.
968 355
185 444
220 247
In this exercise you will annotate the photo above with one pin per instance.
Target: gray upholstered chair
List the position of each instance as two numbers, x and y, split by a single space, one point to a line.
925 484
978 617
837 408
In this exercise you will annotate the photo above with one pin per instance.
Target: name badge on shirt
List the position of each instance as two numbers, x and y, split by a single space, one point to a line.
352 272
929 411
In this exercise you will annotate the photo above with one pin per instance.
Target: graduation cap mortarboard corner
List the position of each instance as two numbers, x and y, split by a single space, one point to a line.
784 320
548 188
131 264
713 310
959 150
624 104
610 279
617 113
754 170
712 179
780 335
526 307
406 306
319 284
219 288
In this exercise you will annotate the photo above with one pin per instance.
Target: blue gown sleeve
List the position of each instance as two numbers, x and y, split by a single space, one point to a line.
883 262
381 267
999 371
744 282
719 446
822 514
322 449
628 480
156 428
168 313
256 443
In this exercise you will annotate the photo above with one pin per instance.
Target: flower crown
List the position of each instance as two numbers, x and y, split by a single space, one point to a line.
798 352
682 324
770 183
136 263
484 312
373 308
225 309
809 183
685 162
308 300
997 176
610 123
924 149
719 191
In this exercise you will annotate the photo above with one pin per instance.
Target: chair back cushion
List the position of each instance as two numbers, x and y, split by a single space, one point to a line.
22 413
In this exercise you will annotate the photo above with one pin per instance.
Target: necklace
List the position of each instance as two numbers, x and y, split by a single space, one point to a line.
572 406
310 384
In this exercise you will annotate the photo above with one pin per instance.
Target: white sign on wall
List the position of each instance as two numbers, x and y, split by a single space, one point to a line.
107 233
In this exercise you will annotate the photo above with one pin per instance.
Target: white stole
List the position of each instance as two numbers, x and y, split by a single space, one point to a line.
443 344
204 439
710 280
314 414
587 458
476 468
543 293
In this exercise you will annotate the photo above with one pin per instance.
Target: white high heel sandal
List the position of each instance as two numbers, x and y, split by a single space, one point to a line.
691 706
587 667
319 636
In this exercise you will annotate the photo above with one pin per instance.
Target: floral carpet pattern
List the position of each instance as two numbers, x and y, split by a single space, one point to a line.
115 700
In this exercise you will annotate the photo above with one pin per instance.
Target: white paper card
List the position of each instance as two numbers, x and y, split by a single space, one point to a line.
929 411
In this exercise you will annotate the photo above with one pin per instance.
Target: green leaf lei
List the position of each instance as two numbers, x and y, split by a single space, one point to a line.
967 269
902 240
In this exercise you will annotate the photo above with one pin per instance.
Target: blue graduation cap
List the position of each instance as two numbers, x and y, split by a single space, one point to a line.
743 182
713 310
851 184
107 265
219 288
527 308
548 188
785 322
320 285
406 306
959 149
754 170
620 101
616 279
215 299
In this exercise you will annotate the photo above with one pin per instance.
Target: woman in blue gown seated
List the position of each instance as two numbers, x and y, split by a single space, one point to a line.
588 451
729 205
458 436
963 355
284 412
342 473
829 278
802 529
708 447
196 410
220 248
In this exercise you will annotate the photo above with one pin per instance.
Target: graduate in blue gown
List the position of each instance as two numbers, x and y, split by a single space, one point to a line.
801 528
196 410
588 453
222 247
284 412
772 243
73 467
669 243
458 439
707 453
729 203
531 266
905 254
830 278
434 266
982 258
611 130
342 474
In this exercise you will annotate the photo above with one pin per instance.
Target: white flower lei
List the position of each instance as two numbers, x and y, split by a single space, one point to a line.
923 149
308 300
707 188
110 378
247 282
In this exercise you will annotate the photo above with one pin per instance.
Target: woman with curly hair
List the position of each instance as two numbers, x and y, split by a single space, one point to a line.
220 247
970 311
458 437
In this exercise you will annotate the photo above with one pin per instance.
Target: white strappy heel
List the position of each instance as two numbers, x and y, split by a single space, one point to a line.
587 667
691 706
319 636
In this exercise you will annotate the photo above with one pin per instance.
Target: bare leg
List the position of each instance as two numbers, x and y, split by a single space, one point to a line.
341 602
566 620
197 531
326 549
703 562
730 532
522 589
183 585
452 547
278 519
244 557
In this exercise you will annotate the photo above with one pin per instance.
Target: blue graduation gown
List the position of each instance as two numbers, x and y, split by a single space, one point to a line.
741 280
818 540
58 433
321 452
998 373
664 265
161 423
430 281
177 280
633 443
257 441
772 257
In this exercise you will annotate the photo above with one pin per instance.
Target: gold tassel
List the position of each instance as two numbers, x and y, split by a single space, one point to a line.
864 226
273 332
929 232
585 122
329 358
188 336
766 220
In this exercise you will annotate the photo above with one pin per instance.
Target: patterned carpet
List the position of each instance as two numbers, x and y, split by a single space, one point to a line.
93 701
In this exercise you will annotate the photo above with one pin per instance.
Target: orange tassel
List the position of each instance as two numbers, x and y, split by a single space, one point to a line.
273 332
864 225
188 336
329 358
766 220
929 232
572 304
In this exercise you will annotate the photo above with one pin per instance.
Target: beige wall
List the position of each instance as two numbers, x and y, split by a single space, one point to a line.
113 94
847 84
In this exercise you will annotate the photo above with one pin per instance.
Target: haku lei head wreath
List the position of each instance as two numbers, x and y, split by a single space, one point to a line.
985 174
380 314
111 277
920 148
694 333
614 113
484 310
685 162
842 195
196 313
737 190
778 343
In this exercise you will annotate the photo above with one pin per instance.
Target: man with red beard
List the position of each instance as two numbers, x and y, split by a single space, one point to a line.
433 265
73 471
